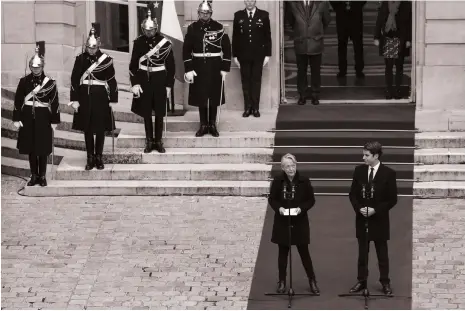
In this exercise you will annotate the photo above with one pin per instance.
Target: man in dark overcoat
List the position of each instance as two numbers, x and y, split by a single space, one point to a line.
309 20
152 71
93 91
303 200
207 60
349 24
36 114
373 193
251 49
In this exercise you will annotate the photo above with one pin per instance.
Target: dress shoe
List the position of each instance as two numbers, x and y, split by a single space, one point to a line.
202 131
387 289
256 114
148 145
90 162
358 287
315 101
313 287
388 94
341 74
360 75
214 131
247 113
397 94
158 146
301 101
34 180
281 287
99 162
42 181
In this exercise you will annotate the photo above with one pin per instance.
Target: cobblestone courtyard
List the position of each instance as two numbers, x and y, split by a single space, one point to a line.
178 252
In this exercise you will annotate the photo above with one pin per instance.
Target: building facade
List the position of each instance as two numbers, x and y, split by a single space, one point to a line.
438 56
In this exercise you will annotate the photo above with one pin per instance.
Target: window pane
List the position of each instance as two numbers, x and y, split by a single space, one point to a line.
114 24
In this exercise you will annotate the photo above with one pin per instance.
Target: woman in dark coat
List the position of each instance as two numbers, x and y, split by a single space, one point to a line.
393 35
35 114
303 201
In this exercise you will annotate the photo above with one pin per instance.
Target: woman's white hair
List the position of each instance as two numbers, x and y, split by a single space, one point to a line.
288 156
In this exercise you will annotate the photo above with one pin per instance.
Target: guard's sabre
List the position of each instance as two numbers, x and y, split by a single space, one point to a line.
166 115
53 153
112 131
221 100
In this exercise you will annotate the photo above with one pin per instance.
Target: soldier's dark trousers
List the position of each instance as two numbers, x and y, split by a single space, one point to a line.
349 26
251 77
303 60
383 260
304 255
390 62
38 164
97 148
205 119
150 130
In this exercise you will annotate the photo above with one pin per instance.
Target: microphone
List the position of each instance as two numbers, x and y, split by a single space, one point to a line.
372 190
292 191
363 191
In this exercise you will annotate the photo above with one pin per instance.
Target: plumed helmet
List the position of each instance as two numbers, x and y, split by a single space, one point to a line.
205 7
150 22
38 59
93 40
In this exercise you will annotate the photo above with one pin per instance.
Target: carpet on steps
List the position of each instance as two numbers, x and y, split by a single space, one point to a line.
334 249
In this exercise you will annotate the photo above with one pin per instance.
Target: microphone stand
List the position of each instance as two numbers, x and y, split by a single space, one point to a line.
366 293
288 197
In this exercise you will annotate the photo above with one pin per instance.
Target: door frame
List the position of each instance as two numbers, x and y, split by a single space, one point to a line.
414 58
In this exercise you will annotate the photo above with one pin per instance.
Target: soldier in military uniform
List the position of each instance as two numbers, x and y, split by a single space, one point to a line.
207 60
93 90
35 113
152 71
251 49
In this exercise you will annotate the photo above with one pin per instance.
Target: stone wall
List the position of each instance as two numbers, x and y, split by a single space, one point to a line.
441 65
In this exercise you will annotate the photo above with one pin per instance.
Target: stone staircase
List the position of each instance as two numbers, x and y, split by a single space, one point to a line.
233 164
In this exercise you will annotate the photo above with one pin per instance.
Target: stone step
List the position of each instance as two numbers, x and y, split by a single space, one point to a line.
440 172
429 140
440 189
440 156
189 122
73 169
20 167
136 139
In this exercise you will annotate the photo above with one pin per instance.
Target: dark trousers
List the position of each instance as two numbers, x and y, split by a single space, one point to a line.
383 260
96 148
38 164
205 118
251 77
399 63
304 255
156 130
303 60
349 26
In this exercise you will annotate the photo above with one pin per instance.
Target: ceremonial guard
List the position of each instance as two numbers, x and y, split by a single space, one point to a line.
93 91
152 71
207 60
36 111
251 49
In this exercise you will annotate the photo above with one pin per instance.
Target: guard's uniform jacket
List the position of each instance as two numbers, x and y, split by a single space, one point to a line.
207 51
36 112
153 73
94 91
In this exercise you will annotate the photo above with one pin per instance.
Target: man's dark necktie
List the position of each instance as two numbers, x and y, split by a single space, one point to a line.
370 178
250 15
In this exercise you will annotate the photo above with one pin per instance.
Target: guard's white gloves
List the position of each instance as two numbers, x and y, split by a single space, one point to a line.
54 126
189 76
18 124
136 90
265 61
75 105
168 92
237 62
224 73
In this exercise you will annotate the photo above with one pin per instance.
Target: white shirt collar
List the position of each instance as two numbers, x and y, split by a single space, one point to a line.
376 167
253 11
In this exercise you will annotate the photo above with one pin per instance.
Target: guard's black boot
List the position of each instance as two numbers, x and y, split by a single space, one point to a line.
42 181
213 130
90 162
202 130
281 287
34 180
99 162
361 285
397 93
247 113
148 145
256 113
302 100
313 287
158 146
387 288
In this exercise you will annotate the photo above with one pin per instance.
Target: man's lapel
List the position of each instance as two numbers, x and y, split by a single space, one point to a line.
379 173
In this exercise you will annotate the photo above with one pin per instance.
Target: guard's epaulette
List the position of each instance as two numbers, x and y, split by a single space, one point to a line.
138 37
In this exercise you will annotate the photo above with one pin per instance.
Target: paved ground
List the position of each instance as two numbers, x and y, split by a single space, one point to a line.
178 252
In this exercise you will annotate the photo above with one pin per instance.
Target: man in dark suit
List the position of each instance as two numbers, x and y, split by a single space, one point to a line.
372 194
349 24
309 20
251 49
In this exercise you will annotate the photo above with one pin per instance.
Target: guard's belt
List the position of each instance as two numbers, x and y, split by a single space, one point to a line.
93 82
206 54
152 69
37 104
